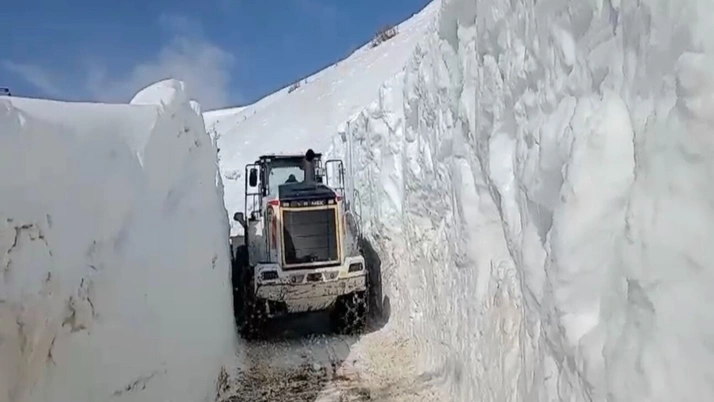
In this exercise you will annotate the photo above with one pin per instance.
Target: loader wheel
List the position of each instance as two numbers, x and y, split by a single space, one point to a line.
238 264
249 312
349 314
254 312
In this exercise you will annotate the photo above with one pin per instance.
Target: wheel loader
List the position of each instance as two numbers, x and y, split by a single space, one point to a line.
298 251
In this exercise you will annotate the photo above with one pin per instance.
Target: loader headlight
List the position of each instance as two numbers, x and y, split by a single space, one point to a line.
269 275
355 267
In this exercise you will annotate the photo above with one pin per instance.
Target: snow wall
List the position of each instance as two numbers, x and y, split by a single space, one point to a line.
538 183
114 253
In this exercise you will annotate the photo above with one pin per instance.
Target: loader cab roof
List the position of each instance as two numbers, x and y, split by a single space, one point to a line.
285 158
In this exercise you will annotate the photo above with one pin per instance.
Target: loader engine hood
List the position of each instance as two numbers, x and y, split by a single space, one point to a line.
310 226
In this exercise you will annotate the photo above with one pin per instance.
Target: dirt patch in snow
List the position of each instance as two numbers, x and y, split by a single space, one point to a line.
300 384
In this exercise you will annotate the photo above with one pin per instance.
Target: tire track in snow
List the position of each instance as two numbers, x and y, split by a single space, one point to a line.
296 367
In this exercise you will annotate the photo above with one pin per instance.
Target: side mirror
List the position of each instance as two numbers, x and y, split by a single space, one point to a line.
240 218
253 177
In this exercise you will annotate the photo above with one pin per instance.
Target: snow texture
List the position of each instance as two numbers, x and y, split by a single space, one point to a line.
114 280
538 182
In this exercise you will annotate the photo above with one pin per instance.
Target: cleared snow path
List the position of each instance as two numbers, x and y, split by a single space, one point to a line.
295 366
299 359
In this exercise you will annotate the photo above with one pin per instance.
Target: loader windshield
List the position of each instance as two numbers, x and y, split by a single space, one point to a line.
280 175
282 171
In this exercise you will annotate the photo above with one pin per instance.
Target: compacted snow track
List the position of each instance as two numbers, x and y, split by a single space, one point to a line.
300 359
294 365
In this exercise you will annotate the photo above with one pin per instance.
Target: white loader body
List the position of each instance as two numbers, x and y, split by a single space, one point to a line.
301 250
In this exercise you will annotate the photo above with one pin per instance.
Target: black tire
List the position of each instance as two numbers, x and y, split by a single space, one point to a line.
249 311
349 314
239 262
254 312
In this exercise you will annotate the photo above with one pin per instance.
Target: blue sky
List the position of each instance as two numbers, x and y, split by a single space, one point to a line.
228 52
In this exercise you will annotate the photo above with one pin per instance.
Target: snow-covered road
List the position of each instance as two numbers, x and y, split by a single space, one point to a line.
301 361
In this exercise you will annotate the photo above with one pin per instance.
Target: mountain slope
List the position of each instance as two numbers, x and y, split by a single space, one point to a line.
310 116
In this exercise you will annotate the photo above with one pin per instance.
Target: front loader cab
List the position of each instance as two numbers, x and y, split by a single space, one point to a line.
277 170
271 174
265 177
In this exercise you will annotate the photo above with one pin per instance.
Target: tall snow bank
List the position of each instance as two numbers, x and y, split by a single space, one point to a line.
114 255
539 183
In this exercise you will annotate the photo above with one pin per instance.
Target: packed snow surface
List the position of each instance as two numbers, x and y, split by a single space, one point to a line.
538 183
114 281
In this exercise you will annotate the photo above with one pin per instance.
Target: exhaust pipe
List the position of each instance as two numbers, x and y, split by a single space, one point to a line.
309 167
